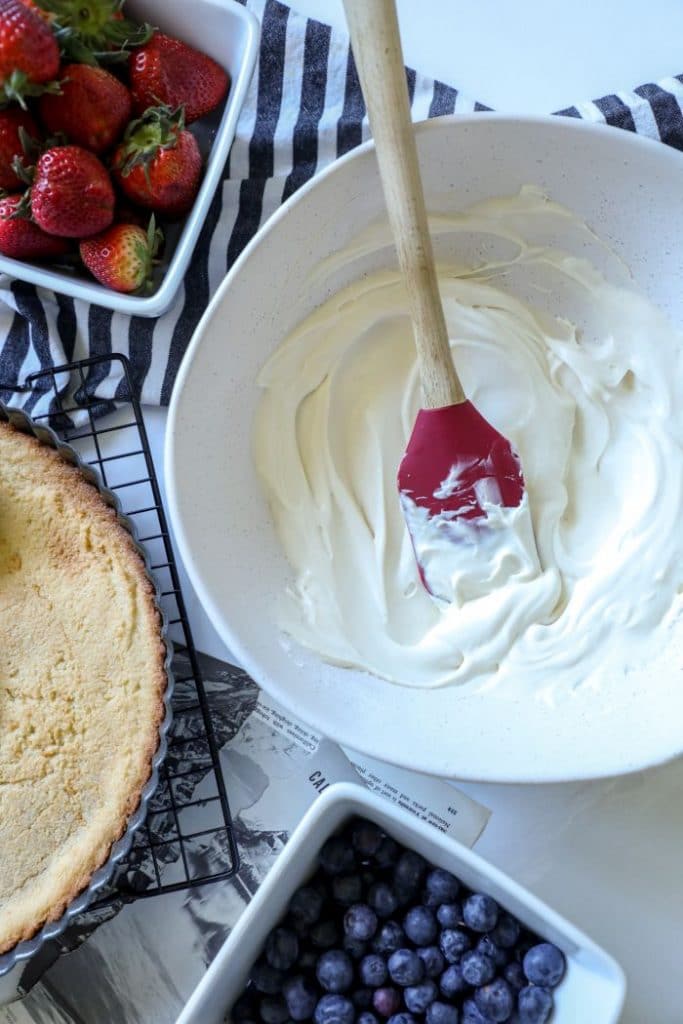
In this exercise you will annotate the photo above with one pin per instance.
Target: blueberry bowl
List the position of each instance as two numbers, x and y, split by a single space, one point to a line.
452 940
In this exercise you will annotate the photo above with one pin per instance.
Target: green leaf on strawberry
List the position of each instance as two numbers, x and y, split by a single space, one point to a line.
94 31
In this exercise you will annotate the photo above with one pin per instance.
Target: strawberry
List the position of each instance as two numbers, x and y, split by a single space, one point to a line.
168 71
11 147
92 110
122 256
29 55
71 194
21 239
158 165
94 31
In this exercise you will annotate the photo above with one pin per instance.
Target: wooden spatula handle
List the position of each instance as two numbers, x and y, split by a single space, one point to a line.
376 44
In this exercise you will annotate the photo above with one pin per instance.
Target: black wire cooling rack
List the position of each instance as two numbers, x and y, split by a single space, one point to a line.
187 839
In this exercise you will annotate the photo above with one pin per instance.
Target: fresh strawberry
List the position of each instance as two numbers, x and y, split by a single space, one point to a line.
93 108
158 165
21 239
29 55
11 147
71 193
168 71
38 10
94 31
122 257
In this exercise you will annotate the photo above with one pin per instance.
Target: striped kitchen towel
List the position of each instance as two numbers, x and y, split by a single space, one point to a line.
303 110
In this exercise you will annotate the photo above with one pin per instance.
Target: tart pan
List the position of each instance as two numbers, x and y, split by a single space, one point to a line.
13 962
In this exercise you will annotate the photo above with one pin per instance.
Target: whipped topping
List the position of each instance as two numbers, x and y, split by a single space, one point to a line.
582 580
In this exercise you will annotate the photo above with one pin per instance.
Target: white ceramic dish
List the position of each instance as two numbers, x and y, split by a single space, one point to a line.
592 990
228 33
628 189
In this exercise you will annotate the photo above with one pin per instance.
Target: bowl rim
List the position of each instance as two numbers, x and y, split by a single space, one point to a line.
154 305
355 799
320 721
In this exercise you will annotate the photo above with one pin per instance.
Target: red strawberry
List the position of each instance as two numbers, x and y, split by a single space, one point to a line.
10 143
158 165
29 55
21 239
95 31
170 72
122 256
92 110
72 194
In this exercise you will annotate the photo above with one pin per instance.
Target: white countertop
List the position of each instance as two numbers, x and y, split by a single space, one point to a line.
606 854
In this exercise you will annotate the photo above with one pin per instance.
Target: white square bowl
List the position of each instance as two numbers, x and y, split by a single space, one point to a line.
592 991
230 34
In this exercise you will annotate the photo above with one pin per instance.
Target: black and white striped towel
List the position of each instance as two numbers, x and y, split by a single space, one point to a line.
303 110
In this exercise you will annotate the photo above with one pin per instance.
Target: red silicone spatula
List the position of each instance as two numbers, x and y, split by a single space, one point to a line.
456 462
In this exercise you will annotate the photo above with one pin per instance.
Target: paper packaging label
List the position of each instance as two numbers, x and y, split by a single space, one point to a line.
317 762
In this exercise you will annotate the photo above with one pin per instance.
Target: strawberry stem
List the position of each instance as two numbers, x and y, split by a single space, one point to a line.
157 129
18 87
95 31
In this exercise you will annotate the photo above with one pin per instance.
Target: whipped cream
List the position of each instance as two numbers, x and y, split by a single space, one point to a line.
578 371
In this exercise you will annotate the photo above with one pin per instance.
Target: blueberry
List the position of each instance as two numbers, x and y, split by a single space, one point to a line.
544 965
389 938
373 970
487 946
453 943
442 884
480 912
244 1008
347 889
409 870
418 997
386 1001
266 979
306 906
405 967
366 1018
356 948
366 837
307 960
449 915
442 1013
506 932
433 959
301 997
282 949
535 1004
420 926
382 899
387 853
477 969
495 1000
452 982
325 934
335 971
360 922
362 998
334 1009
402 1018
471 1014
336 856
273 1010
514 975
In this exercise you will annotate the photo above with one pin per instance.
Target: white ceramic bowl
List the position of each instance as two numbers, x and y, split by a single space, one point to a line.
229 33
629 191
592 990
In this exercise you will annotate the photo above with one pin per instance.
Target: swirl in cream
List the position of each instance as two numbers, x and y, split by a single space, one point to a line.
587 397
